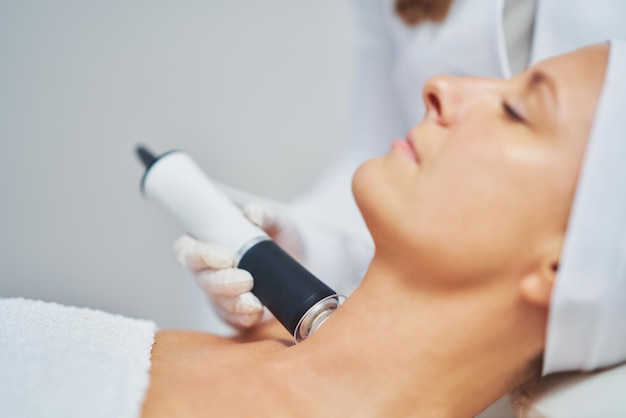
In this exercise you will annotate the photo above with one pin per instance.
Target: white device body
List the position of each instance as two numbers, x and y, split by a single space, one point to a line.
177 183
299 300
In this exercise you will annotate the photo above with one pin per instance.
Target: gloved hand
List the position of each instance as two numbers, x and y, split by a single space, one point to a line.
277 223
227 287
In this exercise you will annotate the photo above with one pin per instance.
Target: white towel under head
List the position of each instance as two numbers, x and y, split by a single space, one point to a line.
586 326
61 361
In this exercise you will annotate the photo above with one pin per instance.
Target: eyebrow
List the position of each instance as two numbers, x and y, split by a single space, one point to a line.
539 79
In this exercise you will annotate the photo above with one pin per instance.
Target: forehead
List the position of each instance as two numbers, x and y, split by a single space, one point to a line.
577 77
578 71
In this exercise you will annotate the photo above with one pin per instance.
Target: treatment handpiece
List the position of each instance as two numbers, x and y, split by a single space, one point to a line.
298 299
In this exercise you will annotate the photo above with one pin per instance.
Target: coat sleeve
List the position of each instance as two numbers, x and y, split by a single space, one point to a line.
337 244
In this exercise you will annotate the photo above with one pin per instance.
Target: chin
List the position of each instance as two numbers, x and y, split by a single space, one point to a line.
373 190
367 192
364 185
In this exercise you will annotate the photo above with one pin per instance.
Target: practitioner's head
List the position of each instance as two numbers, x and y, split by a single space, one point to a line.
498 163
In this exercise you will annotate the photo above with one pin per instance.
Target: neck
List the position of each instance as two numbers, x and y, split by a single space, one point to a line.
415 352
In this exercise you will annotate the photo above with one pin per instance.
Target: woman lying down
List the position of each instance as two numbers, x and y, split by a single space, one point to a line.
500 232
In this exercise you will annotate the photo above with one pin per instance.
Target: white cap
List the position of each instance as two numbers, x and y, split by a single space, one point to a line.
587 318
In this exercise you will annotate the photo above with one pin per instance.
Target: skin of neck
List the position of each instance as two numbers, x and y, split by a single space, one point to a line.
396 348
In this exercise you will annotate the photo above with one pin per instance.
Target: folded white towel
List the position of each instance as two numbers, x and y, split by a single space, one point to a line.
61 361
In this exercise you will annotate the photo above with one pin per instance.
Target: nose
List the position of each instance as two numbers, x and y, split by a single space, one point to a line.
447 98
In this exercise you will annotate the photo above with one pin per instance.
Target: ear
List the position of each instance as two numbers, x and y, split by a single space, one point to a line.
536 287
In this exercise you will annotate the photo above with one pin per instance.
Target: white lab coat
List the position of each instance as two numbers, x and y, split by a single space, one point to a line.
393 62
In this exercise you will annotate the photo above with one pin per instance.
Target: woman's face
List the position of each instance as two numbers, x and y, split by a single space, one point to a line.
484 184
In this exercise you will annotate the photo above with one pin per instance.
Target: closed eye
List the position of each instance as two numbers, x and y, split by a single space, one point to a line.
511 113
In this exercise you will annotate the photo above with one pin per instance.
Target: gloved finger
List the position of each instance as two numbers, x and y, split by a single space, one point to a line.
196 255
276 221
225 282
246 303
271 219
242 320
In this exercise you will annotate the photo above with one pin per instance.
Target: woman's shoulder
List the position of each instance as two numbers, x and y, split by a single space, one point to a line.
193 372
265 338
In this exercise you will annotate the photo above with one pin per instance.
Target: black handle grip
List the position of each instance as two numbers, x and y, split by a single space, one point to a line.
282 284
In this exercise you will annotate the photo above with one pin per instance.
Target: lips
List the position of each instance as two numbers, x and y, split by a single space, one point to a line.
411 142
405 148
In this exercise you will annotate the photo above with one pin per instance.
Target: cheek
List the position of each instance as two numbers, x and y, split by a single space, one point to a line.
463 222
481 212
475 210
464 180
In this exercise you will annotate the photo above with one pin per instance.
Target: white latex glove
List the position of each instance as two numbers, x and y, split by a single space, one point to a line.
227 287
275 220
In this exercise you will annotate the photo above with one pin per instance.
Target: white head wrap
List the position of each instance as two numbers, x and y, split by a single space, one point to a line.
587 319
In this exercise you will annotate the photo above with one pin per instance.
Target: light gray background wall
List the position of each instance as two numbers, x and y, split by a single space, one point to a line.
256 91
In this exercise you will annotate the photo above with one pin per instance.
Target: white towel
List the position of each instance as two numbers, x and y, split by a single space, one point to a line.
61 361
